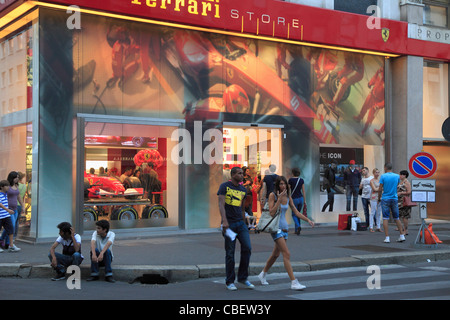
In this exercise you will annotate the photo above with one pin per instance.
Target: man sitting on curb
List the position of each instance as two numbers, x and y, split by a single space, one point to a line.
101 251
71 252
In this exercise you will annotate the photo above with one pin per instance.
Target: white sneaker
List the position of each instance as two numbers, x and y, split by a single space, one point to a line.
14 248
262 278
401 238
295 285
387 240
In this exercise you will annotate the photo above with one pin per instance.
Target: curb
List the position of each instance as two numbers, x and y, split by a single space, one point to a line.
180 273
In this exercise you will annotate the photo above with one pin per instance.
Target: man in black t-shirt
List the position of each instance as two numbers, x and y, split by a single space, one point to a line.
231 206
268 184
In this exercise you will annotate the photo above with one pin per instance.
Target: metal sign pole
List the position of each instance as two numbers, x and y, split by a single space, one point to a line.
423 165
420 239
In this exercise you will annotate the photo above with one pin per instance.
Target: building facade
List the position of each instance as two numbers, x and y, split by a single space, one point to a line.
178 91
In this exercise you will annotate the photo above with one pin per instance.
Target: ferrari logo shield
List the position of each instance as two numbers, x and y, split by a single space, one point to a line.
385 34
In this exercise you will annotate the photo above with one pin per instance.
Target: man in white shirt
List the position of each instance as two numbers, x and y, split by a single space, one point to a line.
71 253
128 172
101 251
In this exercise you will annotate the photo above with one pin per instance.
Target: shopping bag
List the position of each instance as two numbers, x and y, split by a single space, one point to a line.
343 221
355 221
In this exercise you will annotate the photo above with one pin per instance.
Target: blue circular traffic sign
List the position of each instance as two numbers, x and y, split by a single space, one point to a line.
422 165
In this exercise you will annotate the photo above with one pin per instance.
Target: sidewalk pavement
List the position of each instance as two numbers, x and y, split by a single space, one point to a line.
188 255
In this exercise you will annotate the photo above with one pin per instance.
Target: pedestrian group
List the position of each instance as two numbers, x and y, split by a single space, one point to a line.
384 194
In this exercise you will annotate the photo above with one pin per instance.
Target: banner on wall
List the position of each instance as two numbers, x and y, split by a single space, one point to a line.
139 69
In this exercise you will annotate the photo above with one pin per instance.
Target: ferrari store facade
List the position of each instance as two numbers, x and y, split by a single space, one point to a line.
132 111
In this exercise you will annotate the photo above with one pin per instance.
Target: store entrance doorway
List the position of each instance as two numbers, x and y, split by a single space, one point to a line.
254 148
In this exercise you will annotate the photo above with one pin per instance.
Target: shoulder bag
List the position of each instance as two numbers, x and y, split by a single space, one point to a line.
407 202
298 180
267 223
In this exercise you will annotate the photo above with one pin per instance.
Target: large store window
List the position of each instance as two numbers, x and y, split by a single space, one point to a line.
129 178
16 129
435 98
16 146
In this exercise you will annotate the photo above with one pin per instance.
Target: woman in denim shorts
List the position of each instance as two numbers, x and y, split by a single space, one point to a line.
281 200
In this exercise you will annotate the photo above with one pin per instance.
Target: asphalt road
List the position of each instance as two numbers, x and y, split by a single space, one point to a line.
396 282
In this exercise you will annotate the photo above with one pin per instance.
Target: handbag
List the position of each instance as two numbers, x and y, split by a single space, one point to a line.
305 210
266 222
407 202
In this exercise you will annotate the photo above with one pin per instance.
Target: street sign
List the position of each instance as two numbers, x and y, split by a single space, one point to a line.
423 210
423 190
423 185
423 196
422 165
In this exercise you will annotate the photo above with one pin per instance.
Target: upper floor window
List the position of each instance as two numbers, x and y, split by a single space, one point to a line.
435 98
436 13
354 6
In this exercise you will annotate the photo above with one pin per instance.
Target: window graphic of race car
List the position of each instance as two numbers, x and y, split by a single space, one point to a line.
213 60
99 186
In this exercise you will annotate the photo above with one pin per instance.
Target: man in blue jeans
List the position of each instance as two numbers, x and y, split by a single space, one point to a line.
389 200
231 206
101 251
71 253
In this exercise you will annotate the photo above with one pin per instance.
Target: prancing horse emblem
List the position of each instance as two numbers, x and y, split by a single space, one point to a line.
385 34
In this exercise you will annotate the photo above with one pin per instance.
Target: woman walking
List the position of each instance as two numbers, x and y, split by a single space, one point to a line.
281 200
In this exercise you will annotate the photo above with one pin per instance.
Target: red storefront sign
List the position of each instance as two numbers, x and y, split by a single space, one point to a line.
278 19
263 17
